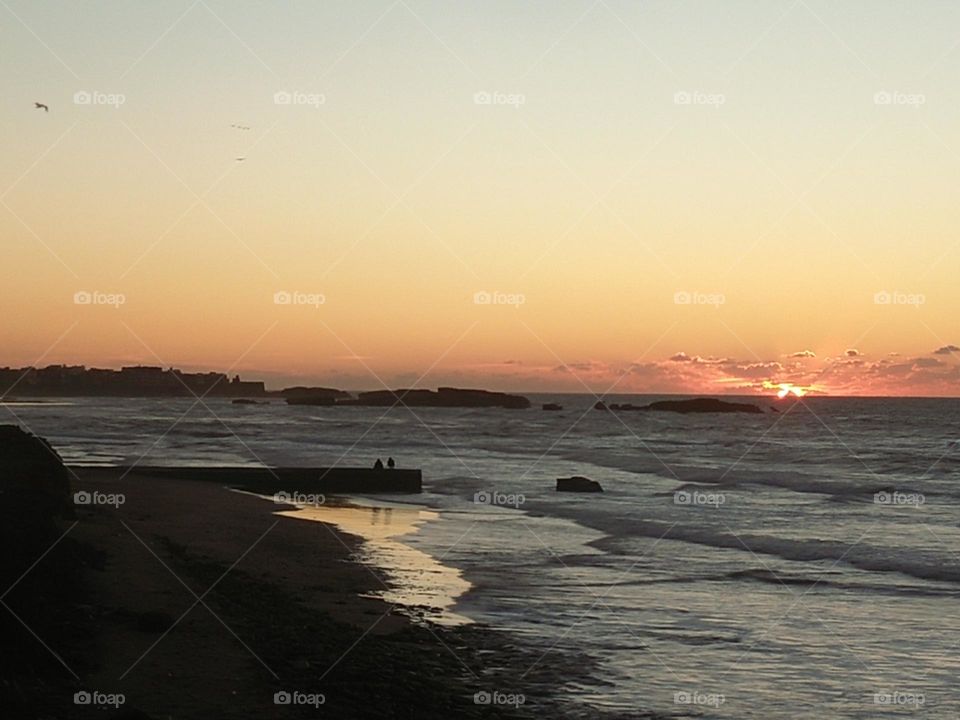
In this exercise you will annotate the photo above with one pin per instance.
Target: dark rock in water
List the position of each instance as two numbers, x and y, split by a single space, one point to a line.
600 405
703 405
247 401
578 483
443 397
552 406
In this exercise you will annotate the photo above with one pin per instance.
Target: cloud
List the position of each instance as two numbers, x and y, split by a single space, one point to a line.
803 354
697 359
946 350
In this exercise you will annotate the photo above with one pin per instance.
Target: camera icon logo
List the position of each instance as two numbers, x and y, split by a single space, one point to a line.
682 297
282 697
282 98
482 98
681 497
82 698
282 297
82 97
482 298
882 298
82 297
82 498
482 698
481 498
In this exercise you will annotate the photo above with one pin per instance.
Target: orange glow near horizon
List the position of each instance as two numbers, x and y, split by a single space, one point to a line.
560 234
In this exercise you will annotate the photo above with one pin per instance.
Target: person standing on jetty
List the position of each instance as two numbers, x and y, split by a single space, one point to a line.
378 465
390 463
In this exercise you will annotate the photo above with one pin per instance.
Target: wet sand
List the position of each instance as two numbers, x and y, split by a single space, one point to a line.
198 601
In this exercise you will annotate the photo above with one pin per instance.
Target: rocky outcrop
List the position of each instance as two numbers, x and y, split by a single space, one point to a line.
32 471
578 483
34 485
703 405
552 406
443 397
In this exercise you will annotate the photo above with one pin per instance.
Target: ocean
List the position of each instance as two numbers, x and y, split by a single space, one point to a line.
795 564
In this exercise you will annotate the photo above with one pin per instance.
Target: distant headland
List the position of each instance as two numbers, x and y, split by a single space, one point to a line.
151 381
131 381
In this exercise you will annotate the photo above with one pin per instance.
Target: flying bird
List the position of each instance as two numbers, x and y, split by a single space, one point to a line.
240 127
41 106
241 159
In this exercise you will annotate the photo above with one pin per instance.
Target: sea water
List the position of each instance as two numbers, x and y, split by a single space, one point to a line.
790 564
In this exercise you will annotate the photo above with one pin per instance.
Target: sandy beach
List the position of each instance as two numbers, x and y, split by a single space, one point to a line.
192 600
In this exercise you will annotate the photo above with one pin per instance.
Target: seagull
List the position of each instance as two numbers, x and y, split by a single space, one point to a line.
240 127
41 106
241 159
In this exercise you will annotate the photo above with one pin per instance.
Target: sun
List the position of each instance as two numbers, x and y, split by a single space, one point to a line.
788 389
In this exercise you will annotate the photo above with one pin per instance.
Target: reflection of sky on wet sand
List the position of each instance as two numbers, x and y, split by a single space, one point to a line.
417 580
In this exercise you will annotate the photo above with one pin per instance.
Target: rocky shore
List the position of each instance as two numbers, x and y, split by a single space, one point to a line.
188 600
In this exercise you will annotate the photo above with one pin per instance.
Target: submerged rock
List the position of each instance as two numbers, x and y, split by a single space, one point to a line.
552 406
578 483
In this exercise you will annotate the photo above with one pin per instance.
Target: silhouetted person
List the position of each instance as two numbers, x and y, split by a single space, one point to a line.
378 465
390 463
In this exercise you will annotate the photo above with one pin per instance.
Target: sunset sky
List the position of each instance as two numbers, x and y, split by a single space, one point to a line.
652 197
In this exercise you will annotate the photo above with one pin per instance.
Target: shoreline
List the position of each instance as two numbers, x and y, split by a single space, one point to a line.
198 601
